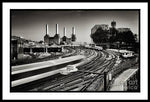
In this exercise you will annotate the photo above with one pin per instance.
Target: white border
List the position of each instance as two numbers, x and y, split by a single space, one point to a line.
58 96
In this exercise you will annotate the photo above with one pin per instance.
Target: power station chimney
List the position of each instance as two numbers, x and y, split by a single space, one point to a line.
73 36
73 30
64 31
46 28
56 28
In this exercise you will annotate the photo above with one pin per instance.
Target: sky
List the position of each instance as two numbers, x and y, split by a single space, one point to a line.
31 24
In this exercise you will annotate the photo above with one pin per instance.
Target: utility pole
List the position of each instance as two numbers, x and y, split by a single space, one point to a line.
105 81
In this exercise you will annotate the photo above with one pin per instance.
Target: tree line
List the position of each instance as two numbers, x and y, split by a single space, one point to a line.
113 36
107 36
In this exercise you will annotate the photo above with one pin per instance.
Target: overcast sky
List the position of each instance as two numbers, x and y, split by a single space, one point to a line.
32 24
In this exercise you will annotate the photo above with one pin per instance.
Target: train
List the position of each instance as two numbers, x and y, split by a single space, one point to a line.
98 48
126 54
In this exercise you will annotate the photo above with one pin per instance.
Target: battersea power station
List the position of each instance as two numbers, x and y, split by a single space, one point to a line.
57 40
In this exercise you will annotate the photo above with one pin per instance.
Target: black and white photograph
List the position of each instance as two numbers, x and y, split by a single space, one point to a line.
59 50
75 50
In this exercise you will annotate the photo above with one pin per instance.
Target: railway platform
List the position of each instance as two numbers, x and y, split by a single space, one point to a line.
121 83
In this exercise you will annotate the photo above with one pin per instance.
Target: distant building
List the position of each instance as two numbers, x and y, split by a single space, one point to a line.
96 27
16 46
52 40
14 49
66 40
123 29
112 29
56 39
73 36
113 24
113 32
46 39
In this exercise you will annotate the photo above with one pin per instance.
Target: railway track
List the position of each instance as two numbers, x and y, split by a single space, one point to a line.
40 82
97 64
60 79
77 81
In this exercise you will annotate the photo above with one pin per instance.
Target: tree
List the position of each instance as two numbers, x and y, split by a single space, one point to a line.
100 36
127 37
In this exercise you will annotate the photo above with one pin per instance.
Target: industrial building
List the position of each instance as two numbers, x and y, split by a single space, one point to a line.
56 39
52 40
